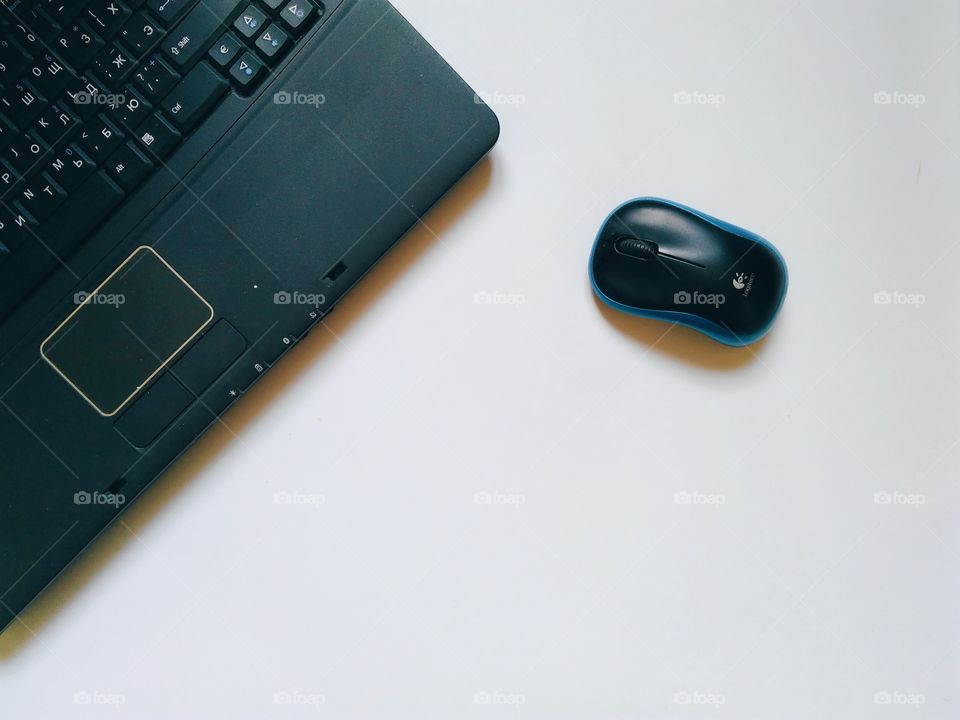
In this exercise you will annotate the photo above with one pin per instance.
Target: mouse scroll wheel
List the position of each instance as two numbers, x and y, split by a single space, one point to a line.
634 247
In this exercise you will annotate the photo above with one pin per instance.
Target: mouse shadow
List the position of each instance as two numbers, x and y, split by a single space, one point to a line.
682 343
67 586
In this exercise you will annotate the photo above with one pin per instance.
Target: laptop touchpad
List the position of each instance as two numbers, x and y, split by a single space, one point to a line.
126 331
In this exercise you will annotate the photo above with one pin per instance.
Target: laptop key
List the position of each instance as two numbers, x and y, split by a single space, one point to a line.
190 39
247 70
14 229
225 50
70 168
155 78
40 198
128 166
106 16
157 136
299 14
193 97
169 11
99 139
78 44
273 43
140 34
250 21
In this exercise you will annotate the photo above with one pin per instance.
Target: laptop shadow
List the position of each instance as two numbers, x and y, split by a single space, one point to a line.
188 469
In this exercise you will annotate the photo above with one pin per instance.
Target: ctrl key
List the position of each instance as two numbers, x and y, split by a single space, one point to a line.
194 97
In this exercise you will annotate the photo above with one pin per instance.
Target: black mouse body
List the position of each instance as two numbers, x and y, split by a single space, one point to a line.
661 260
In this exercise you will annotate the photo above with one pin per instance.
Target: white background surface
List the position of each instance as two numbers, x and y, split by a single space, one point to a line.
784 589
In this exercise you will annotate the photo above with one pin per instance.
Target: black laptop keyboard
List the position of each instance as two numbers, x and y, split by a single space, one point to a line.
95 94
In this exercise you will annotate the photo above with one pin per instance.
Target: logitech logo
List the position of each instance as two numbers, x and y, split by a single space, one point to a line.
743 283
685 297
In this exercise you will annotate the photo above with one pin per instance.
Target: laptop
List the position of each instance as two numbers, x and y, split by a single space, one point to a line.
187 187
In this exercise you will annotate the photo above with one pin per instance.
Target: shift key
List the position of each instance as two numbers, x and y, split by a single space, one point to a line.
188 40
194 96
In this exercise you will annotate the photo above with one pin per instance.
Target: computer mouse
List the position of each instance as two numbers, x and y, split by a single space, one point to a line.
662 260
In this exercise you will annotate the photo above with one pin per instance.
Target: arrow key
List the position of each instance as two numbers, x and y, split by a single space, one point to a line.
250 22
298 14
273 43
247 70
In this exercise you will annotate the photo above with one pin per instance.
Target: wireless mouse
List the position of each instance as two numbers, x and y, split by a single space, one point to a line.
665 261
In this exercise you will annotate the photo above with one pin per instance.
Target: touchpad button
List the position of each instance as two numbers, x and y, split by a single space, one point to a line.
126 331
